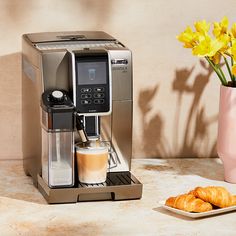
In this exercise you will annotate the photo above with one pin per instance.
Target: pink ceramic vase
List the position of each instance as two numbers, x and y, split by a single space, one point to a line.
226 141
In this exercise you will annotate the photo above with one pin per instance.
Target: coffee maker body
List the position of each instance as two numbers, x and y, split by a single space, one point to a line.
94 70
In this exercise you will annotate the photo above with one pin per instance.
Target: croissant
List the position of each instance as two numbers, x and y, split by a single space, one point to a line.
215 195
188 202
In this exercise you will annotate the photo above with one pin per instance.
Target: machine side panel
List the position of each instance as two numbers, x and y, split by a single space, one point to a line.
31 92
30 53
122 106
122 133
105 128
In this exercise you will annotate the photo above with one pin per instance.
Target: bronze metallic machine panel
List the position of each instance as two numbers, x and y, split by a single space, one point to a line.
47 60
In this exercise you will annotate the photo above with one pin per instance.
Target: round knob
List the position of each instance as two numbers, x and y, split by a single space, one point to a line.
57 95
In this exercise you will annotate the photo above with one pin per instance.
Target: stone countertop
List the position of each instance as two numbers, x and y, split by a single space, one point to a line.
23 210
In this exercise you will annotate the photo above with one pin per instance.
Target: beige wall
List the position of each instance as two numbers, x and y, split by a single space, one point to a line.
175 96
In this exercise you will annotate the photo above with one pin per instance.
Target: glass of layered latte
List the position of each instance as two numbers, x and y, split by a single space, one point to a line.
92 162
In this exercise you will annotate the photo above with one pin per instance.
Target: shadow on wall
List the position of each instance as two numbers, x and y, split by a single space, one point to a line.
100 10
154 142
196 131
17 12
10 103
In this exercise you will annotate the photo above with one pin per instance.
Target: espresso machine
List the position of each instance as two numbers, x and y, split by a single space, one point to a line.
76 85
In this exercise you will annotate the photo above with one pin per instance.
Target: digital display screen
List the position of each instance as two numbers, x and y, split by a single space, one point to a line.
91 72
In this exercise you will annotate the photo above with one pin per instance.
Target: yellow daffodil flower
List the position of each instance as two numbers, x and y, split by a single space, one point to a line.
202 27
234 70
233 31
225 40
207 47
216 58
223 44
188 37
221 28
232 49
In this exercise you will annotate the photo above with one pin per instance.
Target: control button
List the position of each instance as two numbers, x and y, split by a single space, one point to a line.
57 94
84 96
86 90
98 101
86 102
98 89
99 95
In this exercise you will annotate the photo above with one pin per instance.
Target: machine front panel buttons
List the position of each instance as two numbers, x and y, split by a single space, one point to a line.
99 95
98 101
86 102
85 96
86 90
98 89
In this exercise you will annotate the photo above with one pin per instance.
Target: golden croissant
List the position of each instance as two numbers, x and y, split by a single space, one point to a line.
215 195
188 202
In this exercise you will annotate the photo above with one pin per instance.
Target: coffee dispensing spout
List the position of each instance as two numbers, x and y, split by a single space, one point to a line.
80 128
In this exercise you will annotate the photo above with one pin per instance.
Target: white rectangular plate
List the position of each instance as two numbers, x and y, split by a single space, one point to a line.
198 215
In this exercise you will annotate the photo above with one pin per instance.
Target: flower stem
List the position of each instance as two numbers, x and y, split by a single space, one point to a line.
229 70
221 72
212 64
231 56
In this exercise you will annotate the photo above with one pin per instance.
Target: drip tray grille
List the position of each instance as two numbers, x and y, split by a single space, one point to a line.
118 186
113 179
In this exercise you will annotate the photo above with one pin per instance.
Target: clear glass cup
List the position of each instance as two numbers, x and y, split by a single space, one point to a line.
93 161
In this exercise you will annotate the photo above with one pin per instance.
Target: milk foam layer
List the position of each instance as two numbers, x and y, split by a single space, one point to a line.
92 151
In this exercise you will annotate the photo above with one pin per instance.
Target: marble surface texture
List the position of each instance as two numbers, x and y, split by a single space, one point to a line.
23 210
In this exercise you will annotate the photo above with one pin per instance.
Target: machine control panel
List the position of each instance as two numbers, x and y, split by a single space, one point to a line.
93 90
92 96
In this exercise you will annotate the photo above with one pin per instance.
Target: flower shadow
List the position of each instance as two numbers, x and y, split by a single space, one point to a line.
190 140
153 140
197 119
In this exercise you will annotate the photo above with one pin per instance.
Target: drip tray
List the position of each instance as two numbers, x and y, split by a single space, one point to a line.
118 186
